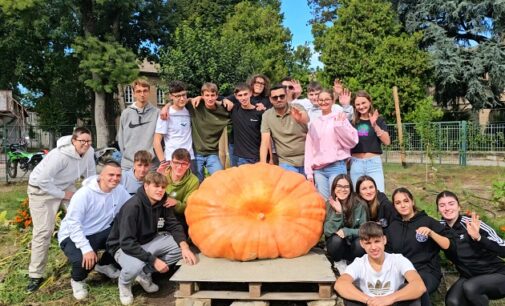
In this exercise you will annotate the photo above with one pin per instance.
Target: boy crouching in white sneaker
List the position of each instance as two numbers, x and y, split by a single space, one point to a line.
146 237
87 224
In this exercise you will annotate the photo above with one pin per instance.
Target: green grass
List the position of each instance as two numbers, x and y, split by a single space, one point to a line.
12 195
471 184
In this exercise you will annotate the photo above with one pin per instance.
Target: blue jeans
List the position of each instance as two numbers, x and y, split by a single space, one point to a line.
289 167
233 158
368 166
211 162
243 161
323 178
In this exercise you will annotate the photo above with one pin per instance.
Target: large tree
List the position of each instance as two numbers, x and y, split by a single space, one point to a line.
467 41
250 40
109 35
362 43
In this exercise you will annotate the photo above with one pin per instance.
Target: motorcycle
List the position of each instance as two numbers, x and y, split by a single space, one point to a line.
104 154
17 156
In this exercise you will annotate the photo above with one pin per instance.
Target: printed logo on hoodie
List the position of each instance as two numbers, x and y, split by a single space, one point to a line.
421 237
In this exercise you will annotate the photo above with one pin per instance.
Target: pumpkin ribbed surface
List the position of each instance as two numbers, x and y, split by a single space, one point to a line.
255 211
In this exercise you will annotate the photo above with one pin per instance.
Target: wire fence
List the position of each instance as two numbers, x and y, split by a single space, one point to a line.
457 142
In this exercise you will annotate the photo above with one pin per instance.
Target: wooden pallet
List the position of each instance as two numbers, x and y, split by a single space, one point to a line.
308 277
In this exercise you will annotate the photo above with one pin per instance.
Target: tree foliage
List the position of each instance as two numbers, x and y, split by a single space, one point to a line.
252 39
467 40
109 61
367 48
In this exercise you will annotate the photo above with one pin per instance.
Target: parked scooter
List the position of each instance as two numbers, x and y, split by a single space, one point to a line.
17 156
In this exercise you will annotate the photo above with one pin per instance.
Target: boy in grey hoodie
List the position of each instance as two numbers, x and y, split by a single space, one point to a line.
52 183
137 125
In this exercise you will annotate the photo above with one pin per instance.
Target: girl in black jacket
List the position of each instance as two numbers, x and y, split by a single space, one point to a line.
380 209
476 256
418 237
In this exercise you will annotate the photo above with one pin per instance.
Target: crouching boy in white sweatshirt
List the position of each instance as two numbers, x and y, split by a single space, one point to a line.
85 228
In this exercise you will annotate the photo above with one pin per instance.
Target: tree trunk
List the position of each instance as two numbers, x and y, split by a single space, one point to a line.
102 132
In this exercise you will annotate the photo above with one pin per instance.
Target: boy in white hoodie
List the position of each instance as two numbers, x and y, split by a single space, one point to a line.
52 183
87 224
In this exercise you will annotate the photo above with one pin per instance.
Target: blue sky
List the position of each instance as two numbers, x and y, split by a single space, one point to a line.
296 18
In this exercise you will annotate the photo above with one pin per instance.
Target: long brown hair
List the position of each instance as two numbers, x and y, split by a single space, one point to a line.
347 204
361 94
373 205
266 89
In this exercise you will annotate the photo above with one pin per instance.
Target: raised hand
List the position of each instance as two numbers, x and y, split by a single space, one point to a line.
374 117
297 88
297 114
345 97
337 87
473 226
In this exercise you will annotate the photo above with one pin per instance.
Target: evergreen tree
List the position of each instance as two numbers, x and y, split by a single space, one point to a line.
366 47
467 41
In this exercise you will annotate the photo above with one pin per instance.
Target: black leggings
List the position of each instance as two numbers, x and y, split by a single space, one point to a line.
431 283
347 249
476 291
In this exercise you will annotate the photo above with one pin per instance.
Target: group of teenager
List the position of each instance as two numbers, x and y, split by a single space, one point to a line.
136 215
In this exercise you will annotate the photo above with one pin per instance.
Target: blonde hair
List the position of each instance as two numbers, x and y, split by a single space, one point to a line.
209 87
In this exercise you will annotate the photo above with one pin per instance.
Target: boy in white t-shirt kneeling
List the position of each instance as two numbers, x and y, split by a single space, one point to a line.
379 278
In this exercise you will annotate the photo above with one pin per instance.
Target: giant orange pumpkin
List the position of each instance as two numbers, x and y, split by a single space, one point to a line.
255 211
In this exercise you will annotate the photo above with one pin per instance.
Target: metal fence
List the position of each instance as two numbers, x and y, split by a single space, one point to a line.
456 142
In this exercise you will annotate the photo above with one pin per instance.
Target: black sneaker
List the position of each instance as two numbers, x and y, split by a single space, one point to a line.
34 284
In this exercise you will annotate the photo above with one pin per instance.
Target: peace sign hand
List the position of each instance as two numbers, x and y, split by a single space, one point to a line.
473 226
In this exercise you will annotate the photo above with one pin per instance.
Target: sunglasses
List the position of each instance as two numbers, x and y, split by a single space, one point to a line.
277 98
259 83
290 87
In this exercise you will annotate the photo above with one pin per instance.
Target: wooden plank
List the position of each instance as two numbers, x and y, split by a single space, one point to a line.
311 268
255 290
186 288
268 296
325 290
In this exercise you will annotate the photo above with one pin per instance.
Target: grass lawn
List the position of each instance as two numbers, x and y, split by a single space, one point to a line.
471 184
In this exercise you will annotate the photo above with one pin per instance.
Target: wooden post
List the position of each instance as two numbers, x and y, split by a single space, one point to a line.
254 290
325 291
186 288
399 126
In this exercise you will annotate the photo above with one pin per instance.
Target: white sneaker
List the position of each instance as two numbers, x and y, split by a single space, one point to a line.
108 270
341 266
125 294
79 289
146 282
